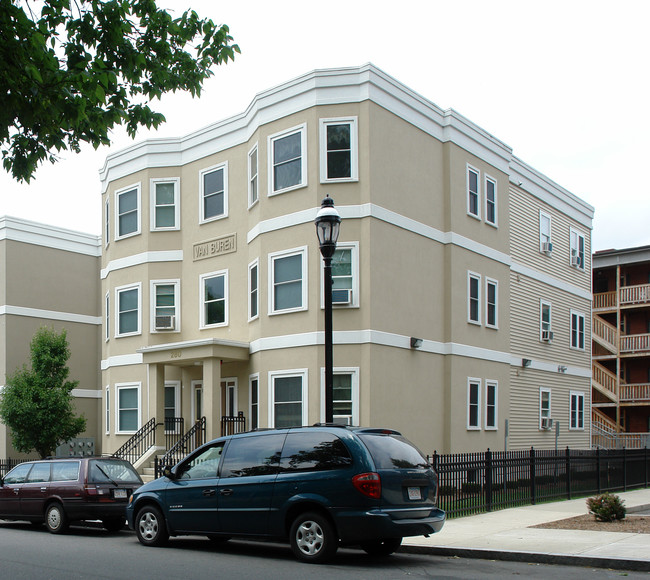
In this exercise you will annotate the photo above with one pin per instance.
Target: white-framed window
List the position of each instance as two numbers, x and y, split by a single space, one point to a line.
127 408
288 281
213 192
165 305
490 201
339 157
577 245
577 411
473 404
128 301
545 244
107 221
165 204
107 409
172 405
577 330
345 395
253 290
474 298
491 405
214 299
127 211
491 303
253 180
545 327
229 388
288 398
197 400
288 160
254 401
544 408
473 193
345 276
107 316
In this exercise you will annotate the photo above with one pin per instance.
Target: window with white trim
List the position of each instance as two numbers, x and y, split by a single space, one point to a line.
288 281
288 160
545 245
474 298
127 211
577 411
214 299
107 221
490 201
491 405
253 171
127 409
345 276
345 395
107 317
254 399
165 301
544 408
338 150
577 330
128 306
473 404
213 191
545 329
288 398
165 204
577 245
473 194
253 290
172 406
491 303
107 409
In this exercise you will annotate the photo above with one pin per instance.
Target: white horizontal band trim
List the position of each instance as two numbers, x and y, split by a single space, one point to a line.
121 361
143 258
551 281
86 394
49 314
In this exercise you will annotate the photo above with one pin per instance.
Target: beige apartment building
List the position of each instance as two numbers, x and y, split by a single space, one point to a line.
462 275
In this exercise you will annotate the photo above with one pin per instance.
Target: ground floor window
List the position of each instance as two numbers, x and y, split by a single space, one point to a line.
474 404
577 410
288 399
128 407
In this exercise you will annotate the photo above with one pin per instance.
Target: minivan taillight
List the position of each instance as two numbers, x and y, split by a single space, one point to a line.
369 484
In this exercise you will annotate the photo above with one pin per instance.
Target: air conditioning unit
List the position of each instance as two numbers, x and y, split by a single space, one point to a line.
165 322
575 261
547 335
547 422
342 296
547 247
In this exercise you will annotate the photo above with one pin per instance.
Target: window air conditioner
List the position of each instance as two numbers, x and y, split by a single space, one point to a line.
547 247
575 261
165 322
546 422
342 296
547 335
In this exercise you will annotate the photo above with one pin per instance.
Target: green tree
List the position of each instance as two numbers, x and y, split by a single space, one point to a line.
36 403
70 70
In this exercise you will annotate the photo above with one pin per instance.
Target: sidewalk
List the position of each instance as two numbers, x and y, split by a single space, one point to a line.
507 535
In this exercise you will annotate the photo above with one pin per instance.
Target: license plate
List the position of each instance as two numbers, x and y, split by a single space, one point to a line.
414 493
119 493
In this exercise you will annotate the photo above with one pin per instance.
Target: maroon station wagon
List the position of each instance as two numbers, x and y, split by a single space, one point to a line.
60 491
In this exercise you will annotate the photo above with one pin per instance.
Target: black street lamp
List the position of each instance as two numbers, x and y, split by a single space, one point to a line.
327 223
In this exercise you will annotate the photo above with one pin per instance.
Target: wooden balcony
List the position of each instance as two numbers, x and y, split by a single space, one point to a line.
635 344
628 296
635 393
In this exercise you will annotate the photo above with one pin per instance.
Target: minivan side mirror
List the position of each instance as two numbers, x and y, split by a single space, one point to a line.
168 472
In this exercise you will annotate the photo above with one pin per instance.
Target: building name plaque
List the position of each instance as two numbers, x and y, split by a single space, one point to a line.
217 247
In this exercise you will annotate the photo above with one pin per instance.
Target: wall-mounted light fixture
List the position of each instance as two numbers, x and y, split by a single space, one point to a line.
525 362
416 342
561 369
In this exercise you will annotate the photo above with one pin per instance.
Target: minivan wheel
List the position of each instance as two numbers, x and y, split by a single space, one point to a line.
313 538
381 548
150 526
55 519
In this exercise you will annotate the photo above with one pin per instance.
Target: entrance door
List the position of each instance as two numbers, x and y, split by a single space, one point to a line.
229 386
197 400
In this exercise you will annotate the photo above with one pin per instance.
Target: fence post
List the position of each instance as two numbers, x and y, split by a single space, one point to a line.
598 470
568 473
624 468
532 476
488 480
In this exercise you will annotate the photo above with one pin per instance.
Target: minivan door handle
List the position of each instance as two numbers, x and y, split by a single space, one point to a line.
208 492
225 491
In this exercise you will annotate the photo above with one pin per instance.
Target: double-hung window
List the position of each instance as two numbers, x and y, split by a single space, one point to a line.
491 404
127 315
288 160
253 182
545 332
253 290
213 190
165 204
288 281
577 330
474 298
214 299
491 303
473 194
345 387
338 150
127 408
473 404
577 245
107 408
254 384
107 317
165 299
577 411
544 408
288 398
545 244
345 275
490 201
107 222
127 208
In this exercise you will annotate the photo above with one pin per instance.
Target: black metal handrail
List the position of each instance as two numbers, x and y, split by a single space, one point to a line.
194 437
233 425
138 444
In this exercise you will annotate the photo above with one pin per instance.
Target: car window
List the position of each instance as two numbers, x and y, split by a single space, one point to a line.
315 451
391 451
65 470
39 473
258 455
111 471
18 474
204 465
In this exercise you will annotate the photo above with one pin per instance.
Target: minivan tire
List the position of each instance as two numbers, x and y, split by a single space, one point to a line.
55 519
313 539
150 527
381 548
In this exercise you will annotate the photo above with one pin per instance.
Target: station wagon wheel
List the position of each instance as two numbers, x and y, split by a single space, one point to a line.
383 547
55 519
313 538
150 526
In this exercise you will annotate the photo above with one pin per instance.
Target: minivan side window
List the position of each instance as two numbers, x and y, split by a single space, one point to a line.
39 473
248 456
315 451
18 474
204 465
65 471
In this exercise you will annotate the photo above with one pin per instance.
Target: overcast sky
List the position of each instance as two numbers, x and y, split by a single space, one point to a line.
564 83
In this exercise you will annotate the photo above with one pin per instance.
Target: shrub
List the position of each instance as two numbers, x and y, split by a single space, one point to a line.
446 490
607 507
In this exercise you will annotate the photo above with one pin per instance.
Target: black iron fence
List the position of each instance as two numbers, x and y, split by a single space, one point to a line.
137 445
185 444
6 465
472 483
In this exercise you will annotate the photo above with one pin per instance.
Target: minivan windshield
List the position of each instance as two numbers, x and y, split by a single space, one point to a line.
111 471
391 451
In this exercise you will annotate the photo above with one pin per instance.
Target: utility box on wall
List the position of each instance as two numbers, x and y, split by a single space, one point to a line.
79 447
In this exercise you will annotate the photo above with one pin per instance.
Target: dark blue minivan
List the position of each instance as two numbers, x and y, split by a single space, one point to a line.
319 487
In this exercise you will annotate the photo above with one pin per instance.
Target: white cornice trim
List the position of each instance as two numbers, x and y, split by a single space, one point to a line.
121 361
192 344
143 258
551 281
9 310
